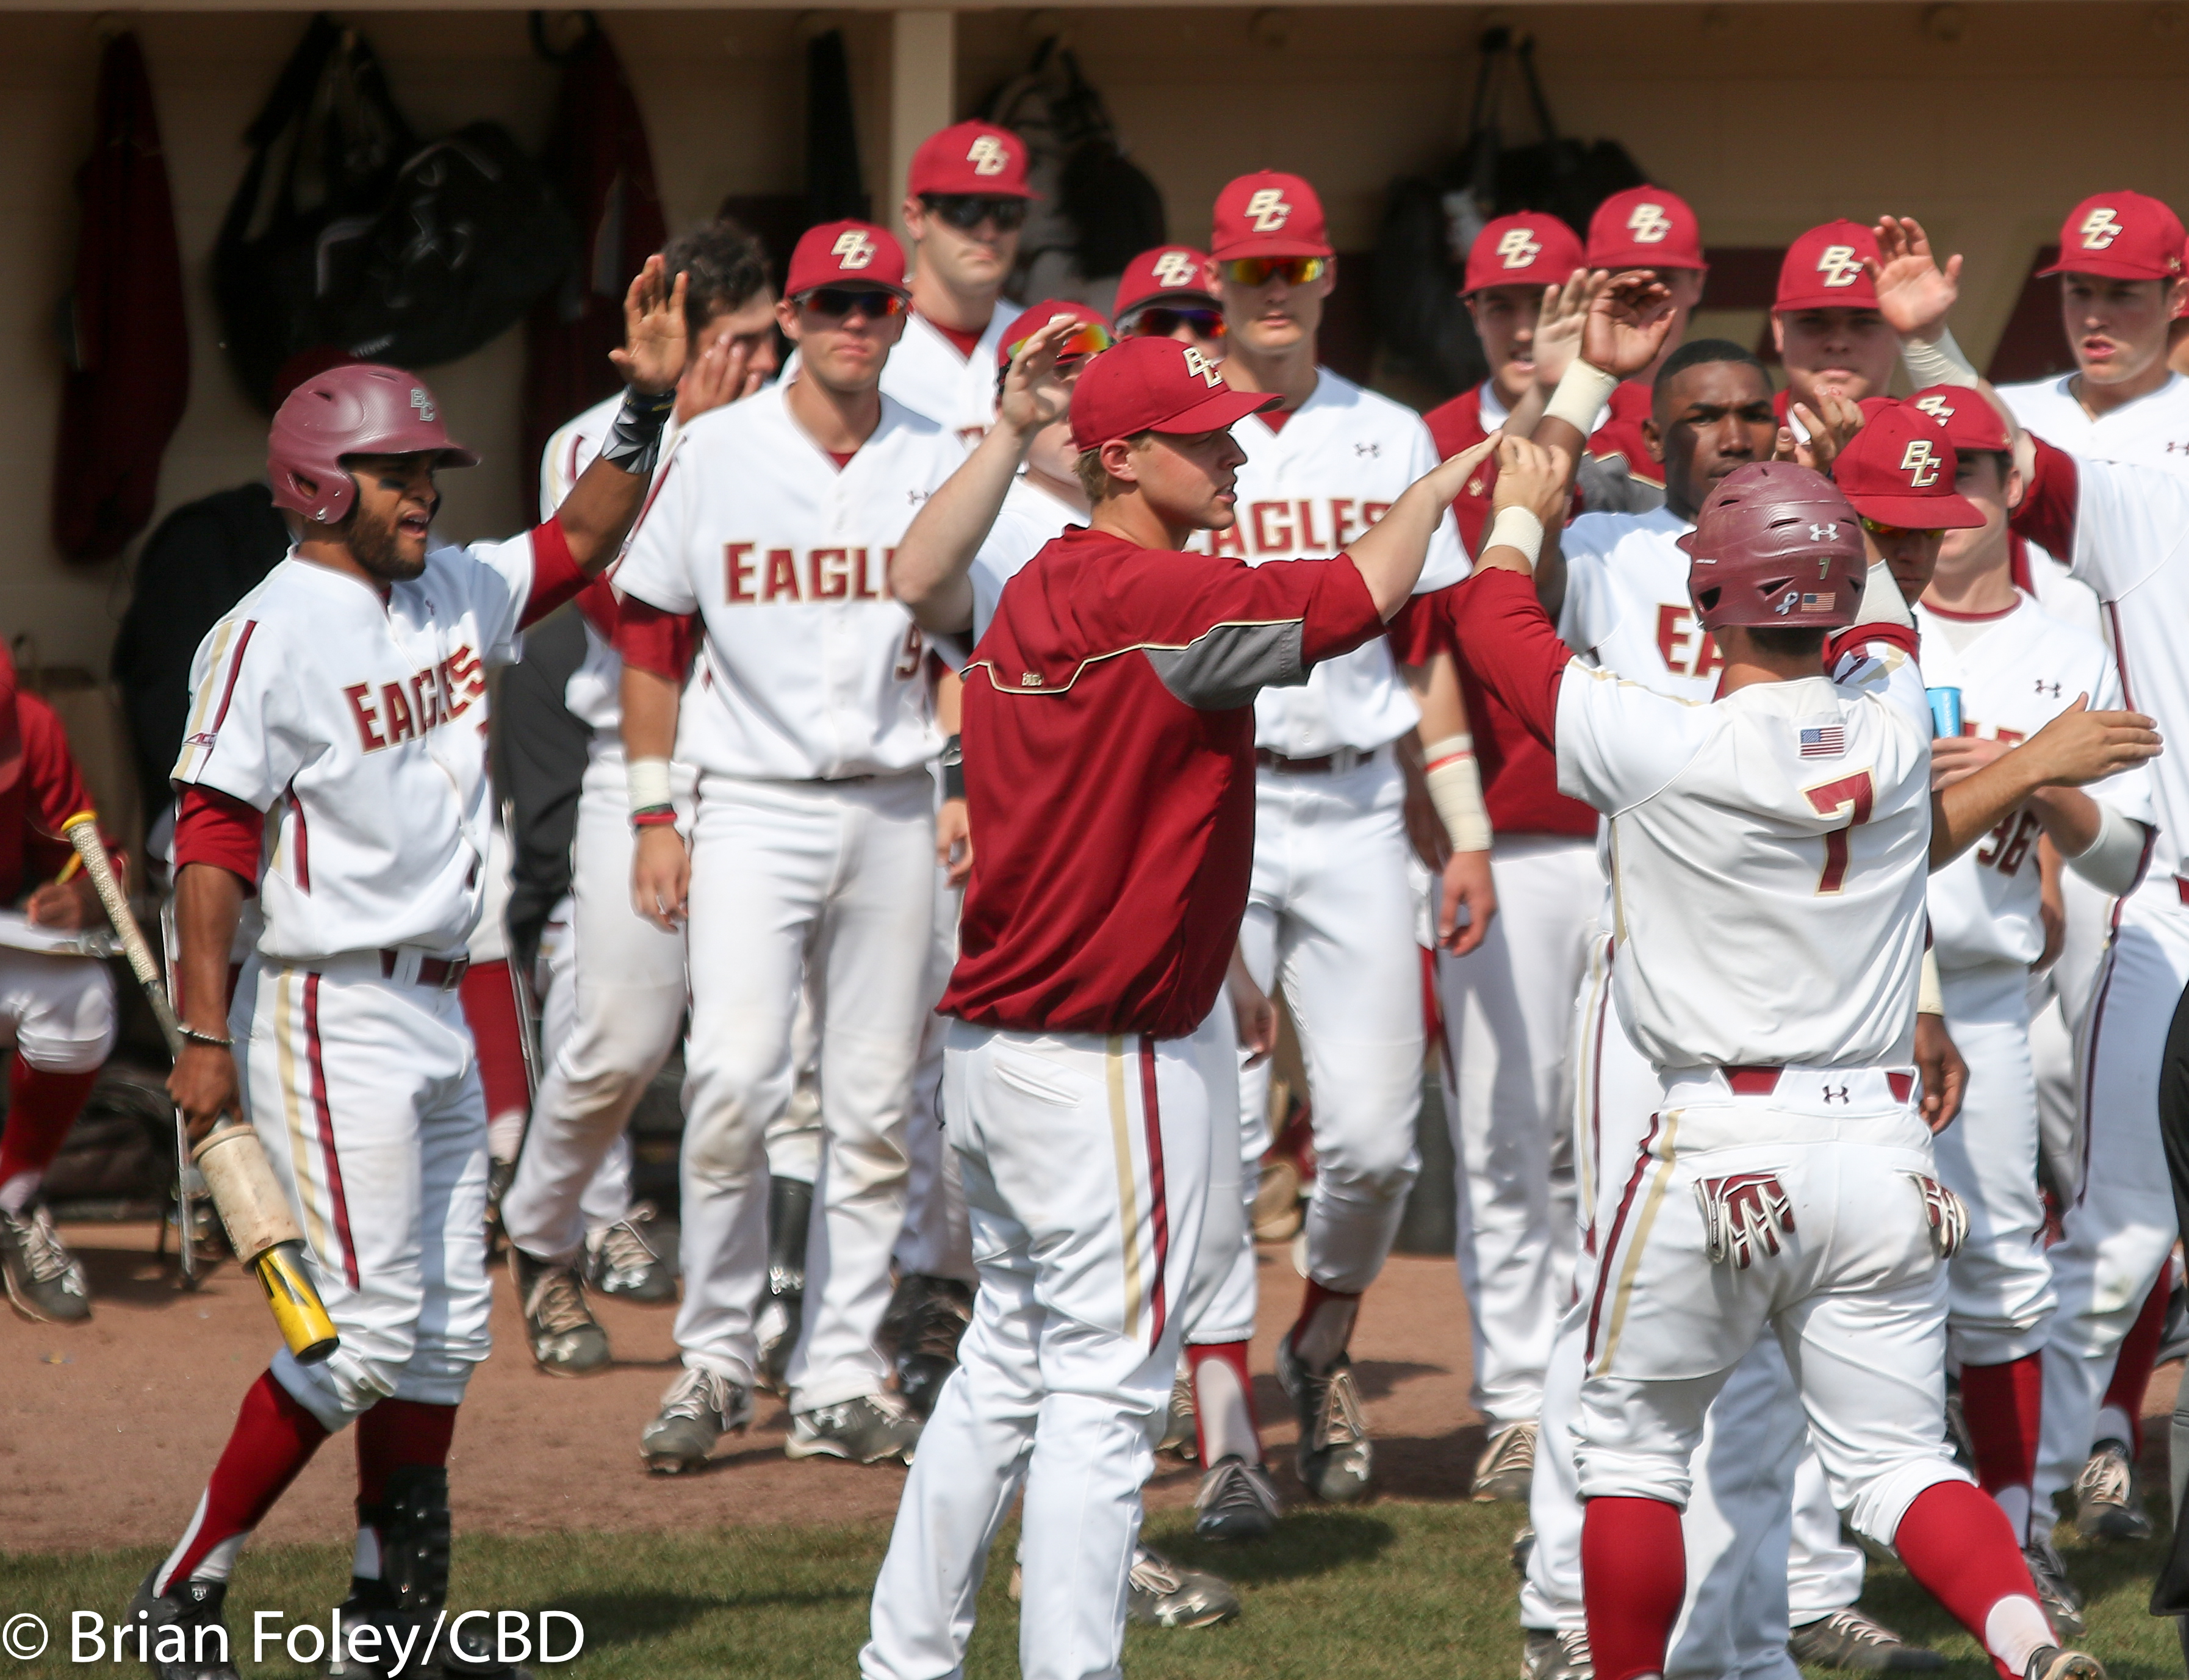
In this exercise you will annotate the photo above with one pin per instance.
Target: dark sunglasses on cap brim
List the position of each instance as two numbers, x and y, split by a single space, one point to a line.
1877 529
1160 320
967 211
1260 270
834 302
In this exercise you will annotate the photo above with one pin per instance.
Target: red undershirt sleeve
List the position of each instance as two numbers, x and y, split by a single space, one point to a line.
1511 646
2047 514
556 576
653 640
215 827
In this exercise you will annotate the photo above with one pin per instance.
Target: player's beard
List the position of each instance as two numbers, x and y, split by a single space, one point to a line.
376 546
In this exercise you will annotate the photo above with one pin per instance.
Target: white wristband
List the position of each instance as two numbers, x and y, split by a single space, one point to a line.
2113 859
1581 396
1940 362
1454 782
1930 990
1516 528
648 778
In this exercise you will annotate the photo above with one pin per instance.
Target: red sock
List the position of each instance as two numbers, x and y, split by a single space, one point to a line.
489 1000
1634 1573
42 1106
273 1439
2002 1404
1233 1355
2139 1355
1324 1327
395 1433
1956 1542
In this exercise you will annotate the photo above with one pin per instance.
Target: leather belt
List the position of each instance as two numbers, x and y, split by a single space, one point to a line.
1752 1080
1330 764
410 967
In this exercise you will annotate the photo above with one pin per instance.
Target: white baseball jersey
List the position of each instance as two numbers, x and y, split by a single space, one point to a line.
809 669
2023 671
594 694
2152 431
1029 519
359 728
1768 853
1627 607
1341 458
2130 526
926 373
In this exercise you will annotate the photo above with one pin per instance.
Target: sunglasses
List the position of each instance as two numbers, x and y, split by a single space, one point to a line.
1159 322
967 211
1090 339
833 302
1260 270
1878 530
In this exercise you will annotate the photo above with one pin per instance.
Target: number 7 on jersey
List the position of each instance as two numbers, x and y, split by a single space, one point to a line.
1857 791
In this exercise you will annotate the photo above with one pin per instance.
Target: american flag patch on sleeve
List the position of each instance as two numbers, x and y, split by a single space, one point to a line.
1826 741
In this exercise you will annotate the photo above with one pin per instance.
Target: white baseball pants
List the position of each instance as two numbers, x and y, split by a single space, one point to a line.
365 1094
2059 998
613 1016
936 1240
606 1197
2120 1229
1508 1085
826 885
1998 1285
56 1012
1087 1162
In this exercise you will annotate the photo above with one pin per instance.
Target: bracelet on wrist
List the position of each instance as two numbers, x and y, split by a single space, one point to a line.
217 1041
654 816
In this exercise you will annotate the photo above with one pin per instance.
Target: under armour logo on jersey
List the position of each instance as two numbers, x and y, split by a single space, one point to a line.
422 400
1937 407
1839 265
1176 270
988 155
1648 224
1922 463
1743 1213
1946 1214
2050 689
1372 450
1201 368
853 250
1836 1094
2100 228
1825 533
1519 247
1268 211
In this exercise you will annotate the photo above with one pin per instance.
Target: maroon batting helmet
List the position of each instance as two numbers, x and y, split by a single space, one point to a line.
1776 544
361 408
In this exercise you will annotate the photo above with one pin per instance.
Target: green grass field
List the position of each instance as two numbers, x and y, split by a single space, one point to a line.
1422 1592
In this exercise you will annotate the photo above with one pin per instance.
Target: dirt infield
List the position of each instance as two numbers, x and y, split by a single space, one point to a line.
107 1430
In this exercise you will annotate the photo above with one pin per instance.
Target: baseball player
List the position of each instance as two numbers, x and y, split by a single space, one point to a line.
625 976
966 201
1165 293
1330 911
1108 741
1770 922
812 860
336 766
56 1010
1825 321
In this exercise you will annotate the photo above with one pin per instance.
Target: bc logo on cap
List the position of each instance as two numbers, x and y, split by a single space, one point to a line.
422 400
1921 463
853 250
988 155
1268 211
1839 265
1175 269
1649 224
2100 228
1199 366
1519 246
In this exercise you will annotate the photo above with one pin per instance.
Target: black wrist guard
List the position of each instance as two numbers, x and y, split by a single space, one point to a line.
634 441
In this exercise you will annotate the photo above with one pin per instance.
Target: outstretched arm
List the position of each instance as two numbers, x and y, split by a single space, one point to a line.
2078 747
1915 295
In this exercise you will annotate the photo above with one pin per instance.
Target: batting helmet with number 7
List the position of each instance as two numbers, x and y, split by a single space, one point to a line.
1776 544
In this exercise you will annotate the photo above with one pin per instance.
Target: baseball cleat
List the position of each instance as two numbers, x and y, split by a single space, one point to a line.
1849 1639
565 1338
1334 1458
1506 1469
193 1607
1179 1419
1164 1595
2109 1501
699 1409
499 1175
2063 1604
44 1280
1522 1548
1563 1655
938 1313
1237 1501
631 1260
2050 1662
866 1430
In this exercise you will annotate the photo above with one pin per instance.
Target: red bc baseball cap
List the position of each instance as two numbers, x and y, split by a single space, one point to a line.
2120 236
1525 249
1898 470
1169 273
1267 214
977 158
1644 228
1156 385
1826 268
1969 423
845 253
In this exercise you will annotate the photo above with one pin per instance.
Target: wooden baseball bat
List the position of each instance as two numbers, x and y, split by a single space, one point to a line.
236 1171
